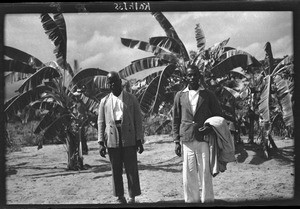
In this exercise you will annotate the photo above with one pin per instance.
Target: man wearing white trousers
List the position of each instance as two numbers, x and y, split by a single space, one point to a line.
192 106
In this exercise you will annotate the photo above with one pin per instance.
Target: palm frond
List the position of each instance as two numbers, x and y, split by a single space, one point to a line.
166 43
25 98
285 99
286 61
87 73
264 103
163 82
170 32
149 96
21 56
57 126
140 65
232 59
38 77
56 31
200 38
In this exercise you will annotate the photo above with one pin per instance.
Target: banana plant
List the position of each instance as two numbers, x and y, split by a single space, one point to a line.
52 87
169 54
276 96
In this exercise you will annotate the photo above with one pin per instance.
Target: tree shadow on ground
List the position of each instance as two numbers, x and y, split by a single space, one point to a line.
284 155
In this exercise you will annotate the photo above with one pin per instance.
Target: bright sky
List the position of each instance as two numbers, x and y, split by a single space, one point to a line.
94 38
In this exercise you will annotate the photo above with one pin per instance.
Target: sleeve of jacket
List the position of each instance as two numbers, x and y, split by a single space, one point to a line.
176 118
215 106
138 123
101 121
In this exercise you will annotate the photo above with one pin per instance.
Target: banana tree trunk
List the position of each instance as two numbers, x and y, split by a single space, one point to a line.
75 160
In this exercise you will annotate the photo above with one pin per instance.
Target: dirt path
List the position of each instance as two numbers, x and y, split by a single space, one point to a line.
40 176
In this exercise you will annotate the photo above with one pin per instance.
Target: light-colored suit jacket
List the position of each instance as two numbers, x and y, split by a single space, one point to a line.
131 125
185 123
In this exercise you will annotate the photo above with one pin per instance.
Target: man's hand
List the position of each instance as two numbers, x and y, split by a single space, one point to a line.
178 149
139 146
102 149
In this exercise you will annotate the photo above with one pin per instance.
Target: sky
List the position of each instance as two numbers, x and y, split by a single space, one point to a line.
93 39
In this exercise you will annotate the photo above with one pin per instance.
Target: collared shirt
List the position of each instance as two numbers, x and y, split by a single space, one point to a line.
117 105
193 97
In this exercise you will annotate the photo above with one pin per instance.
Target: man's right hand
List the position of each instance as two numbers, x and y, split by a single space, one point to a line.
178 149
102 150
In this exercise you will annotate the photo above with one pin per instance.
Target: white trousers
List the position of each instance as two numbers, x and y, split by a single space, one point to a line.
196 173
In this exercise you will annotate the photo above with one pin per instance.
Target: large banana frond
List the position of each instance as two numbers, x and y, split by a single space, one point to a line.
21 56
285 62
56 31
264 103
60 124
48 119
164 42
25 98
163 82
43 105
140 65
141 45
232 59
285 98
87 73
149 96
170 32
229 92
269 58
200 38
17 70
38 77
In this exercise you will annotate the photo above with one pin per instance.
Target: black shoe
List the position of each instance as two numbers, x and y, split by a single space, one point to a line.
121 200
131 200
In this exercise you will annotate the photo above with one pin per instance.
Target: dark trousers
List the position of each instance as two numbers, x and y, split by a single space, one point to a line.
126 156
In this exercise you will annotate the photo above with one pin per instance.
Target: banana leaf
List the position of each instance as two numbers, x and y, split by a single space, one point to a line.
200 38
37 78
229 92
43 105
170 32
288 69
25 98
285 99
286 61
232 61
58 125
166 43
87 73
264 102
21 56
166 122
141 45
140 65
48 119
149 96
56 31
217 49
163 82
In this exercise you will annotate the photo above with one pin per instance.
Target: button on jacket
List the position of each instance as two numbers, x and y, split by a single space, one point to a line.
185 123
131 124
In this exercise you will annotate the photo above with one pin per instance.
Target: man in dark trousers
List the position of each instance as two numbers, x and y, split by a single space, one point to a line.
120 131
192 107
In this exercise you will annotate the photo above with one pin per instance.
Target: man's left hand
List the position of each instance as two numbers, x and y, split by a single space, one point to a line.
139 147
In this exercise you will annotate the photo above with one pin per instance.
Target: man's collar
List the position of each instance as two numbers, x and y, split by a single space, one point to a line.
120 96
187 89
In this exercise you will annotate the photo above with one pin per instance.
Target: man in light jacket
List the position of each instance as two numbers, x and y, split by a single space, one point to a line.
192 107
120 131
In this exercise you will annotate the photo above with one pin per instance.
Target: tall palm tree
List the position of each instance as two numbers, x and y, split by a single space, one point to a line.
51 87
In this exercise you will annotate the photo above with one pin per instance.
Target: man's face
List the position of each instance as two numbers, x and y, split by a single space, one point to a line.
114 83
193 77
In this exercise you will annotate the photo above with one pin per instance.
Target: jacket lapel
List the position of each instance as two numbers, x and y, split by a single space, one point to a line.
186 101
200 100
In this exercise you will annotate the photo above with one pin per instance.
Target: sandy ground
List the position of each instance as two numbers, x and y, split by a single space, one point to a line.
40 177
